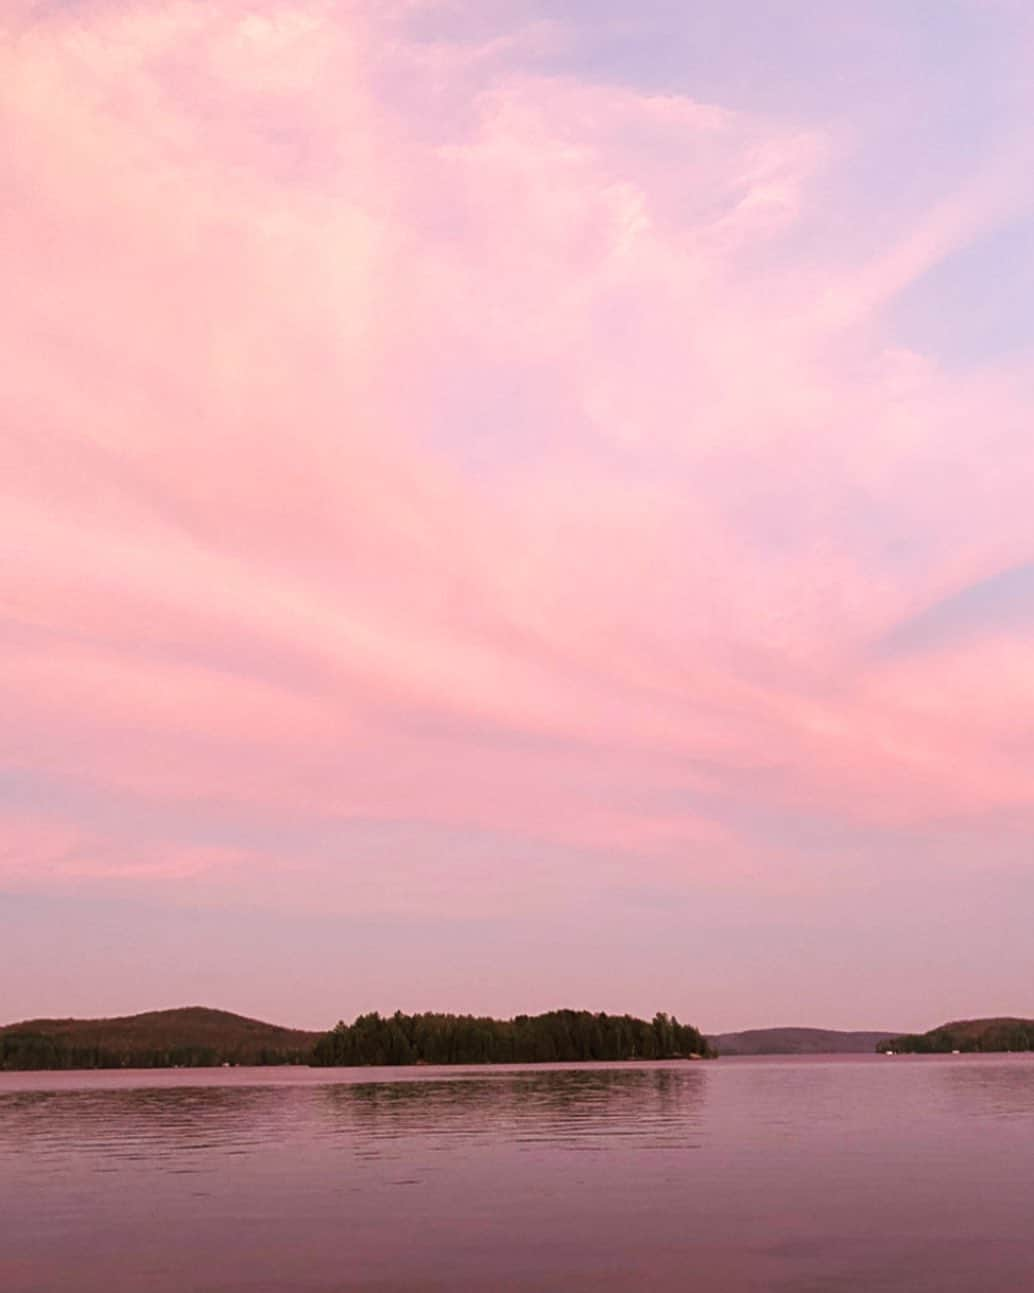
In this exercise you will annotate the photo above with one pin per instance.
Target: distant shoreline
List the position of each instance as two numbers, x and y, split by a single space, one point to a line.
200 1037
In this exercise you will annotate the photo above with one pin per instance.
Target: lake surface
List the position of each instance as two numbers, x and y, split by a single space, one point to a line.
844 1173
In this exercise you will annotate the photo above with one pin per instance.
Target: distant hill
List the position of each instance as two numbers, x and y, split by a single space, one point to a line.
967 1035
193 1036
797 1041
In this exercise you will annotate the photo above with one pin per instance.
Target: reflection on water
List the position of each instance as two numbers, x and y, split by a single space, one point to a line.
739 1175
565 1109
570 1110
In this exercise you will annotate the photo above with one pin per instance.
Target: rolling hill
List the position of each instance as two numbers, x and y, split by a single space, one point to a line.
967 1035
191 1036
797 1041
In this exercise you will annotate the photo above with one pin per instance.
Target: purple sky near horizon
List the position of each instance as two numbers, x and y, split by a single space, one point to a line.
516 505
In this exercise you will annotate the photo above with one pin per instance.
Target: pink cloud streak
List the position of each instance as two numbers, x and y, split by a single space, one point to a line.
397 433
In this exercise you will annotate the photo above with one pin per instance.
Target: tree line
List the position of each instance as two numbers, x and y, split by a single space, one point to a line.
556 1036
32 1051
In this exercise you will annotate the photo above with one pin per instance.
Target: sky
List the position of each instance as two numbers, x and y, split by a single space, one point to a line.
517 504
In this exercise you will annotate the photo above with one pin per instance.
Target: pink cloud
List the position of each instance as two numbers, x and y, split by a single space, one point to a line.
395 432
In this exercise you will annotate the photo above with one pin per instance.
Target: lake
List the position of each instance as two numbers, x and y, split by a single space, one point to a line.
839 1173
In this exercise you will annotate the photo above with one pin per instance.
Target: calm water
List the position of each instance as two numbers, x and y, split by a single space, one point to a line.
845 1174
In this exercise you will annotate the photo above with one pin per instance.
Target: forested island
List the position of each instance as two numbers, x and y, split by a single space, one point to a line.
198 1037
557 1036
968 1036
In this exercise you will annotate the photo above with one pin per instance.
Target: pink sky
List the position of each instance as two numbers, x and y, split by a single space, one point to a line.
517 505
